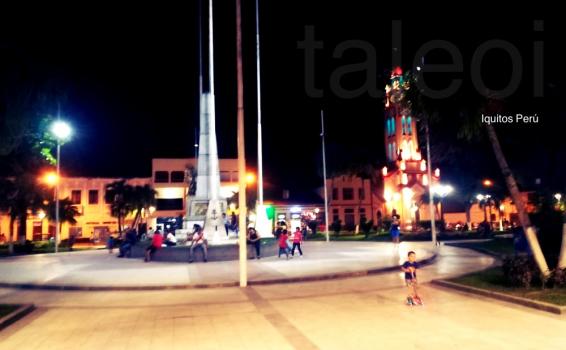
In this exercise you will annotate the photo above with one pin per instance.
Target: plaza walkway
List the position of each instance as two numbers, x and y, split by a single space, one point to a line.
100 269
356 313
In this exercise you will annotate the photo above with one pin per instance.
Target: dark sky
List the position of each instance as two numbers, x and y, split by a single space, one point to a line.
131 76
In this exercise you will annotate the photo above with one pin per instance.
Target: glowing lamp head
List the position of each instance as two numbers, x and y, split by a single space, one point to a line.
50 178
61 130
384 171
487 183
558 196
250 178
437 172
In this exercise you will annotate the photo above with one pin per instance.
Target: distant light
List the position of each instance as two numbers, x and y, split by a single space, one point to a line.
41 215
61 130
558 196
487 183
151 209
480 197
50 178
250 178
196 145
295 209
418 68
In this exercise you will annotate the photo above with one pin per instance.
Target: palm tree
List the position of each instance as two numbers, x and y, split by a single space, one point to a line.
67 212
7 195
21 195
141 198
494 105
118 194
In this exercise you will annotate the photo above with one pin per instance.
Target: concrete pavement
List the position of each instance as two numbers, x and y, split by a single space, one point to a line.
358 313
100 269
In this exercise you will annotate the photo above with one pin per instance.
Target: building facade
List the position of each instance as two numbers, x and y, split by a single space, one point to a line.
95 220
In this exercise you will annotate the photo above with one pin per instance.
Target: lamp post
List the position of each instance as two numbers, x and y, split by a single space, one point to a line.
61 131
442 191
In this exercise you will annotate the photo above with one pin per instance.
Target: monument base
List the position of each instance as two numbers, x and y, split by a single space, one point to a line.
207 213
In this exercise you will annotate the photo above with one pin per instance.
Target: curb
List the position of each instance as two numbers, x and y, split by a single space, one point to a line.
16 315
313 278
539 305
479 250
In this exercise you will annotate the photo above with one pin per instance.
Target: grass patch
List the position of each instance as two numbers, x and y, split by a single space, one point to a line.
7 309
498 246
493 280
349 237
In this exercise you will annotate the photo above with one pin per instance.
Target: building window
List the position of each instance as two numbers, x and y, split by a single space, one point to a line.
409 126
403 125
76 196
335 194
363 214
335 215
93 197
225 176
177 176
170 204
107 200
348 193
361 194
235 176
161 176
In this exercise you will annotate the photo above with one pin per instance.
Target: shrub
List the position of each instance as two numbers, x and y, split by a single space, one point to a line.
520 271
366 226
336 226
558 277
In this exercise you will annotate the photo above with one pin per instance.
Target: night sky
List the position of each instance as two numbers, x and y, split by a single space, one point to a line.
131 77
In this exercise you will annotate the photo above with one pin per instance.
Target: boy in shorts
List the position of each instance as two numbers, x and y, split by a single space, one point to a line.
410 268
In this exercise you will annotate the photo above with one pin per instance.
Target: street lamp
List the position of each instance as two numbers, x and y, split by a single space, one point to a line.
62 131
442 191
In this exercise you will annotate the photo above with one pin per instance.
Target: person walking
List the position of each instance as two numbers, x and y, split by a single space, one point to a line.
297 239
283 244
395 232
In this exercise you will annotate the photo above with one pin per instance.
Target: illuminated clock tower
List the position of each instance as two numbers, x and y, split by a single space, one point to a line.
405 178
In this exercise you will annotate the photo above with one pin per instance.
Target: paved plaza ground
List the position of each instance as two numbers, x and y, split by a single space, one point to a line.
98 268
355 313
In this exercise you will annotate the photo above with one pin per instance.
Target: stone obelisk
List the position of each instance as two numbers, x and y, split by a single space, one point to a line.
206 206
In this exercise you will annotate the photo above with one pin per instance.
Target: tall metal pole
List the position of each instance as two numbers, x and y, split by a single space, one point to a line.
241 151
326 213
57 233
259 138
430 192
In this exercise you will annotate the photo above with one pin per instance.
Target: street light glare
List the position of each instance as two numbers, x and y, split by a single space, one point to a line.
250 178
61 130
50 178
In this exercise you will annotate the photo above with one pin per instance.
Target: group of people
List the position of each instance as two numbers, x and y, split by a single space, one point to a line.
197 240
285 241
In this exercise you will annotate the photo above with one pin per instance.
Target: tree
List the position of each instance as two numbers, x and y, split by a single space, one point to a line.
119 195
21 195
366 226
141 198
67 212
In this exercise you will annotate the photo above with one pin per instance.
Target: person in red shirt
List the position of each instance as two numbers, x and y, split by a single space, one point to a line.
297 239
156 243
283 247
